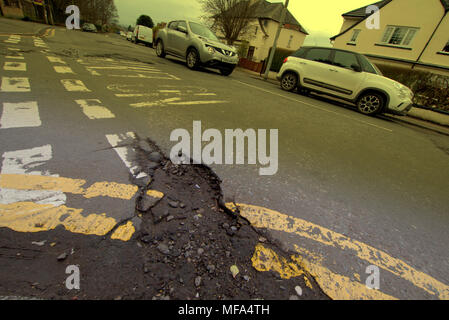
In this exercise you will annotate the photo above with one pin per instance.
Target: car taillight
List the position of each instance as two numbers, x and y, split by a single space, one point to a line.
285 60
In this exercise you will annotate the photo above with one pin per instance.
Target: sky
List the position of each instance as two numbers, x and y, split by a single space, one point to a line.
321 18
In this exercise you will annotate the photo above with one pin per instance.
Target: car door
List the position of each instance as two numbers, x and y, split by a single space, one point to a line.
316 65
347 75
171 36
180 39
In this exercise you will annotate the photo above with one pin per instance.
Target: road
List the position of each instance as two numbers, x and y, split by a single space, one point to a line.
351 191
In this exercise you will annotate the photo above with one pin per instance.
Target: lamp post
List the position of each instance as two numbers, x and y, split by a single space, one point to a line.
273 49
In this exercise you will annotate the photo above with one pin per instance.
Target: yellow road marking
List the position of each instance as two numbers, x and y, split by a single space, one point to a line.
334 285
32 217
269 219
74 186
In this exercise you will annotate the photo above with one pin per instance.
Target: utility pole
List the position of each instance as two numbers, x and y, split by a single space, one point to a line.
273 49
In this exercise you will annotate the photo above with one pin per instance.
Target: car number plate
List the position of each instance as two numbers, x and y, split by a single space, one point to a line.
227 60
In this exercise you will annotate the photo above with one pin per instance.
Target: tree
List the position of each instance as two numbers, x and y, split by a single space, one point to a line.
99 12
230 17
146 21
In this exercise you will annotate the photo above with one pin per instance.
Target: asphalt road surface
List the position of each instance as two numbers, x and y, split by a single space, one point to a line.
351 191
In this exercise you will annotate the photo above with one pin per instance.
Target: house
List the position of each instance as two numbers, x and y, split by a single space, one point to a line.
11 9
411 34
262 29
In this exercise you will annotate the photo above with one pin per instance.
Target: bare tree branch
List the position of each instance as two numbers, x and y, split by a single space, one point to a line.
229 17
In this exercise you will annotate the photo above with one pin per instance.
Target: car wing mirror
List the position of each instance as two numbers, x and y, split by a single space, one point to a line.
356 68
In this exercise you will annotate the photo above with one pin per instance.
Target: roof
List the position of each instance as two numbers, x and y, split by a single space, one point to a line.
361 13
263 9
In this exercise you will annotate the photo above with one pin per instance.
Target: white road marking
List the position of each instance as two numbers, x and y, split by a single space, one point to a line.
20 115
14 49
162 76
15 85
126 153
314 106
15 66
55 60
74 85
63 69
93 109
23 162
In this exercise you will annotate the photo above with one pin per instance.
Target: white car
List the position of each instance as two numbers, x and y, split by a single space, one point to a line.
129 35
346 75
142 34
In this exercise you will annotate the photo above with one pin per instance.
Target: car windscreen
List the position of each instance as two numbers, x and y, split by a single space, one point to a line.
202 31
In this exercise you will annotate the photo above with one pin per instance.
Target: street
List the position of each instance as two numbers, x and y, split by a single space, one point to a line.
351 191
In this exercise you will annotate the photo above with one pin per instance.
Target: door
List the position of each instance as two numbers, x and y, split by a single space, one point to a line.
180 39
316 66
344 77
171 29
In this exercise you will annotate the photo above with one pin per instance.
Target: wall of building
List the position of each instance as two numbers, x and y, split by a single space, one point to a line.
411 13
263 44
11 11
433 53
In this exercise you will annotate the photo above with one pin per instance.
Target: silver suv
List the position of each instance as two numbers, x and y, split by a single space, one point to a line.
197 44
346 75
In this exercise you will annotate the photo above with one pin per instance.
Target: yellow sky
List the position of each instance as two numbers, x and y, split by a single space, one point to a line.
323 16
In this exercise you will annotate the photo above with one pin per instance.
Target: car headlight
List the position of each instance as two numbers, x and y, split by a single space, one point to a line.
210 49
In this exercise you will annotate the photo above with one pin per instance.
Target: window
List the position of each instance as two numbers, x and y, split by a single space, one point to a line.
319 55
345 59
257 29
182 24
367 66
299 53
355 35
12 3
446 48
250 54
173 25
399 36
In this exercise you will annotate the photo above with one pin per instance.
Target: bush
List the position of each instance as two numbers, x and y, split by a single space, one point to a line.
430 89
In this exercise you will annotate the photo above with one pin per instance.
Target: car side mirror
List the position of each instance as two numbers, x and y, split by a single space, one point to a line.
356 68
182 29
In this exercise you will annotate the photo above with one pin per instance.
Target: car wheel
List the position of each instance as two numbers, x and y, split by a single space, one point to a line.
289 81
226 71
192 59
370 103
160 51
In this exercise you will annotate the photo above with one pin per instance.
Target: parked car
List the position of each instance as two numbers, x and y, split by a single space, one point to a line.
143 34
89 27
122 33
197 44
346 75
129 35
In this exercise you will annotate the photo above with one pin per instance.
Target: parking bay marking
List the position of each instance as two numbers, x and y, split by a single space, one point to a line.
14 66
20 115
15 84
314 106
93 109
264 218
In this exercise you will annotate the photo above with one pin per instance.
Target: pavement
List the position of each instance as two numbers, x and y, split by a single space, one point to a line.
351 191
